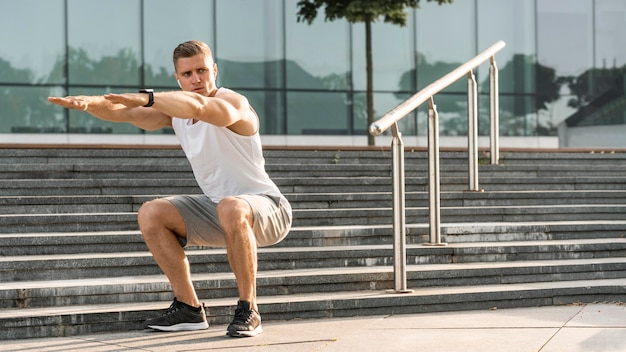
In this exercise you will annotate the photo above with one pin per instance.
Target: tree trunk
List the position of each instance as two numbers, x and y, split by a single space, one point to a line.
370 80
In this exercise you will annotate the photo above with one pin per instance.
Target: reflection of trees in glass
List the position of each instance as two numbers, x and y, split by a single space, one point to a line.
592 83
531 81
367 12
22 108
121 69
599 96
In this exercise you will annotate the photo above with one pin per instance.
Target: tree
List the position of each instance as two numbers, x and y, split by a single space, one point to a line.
366 11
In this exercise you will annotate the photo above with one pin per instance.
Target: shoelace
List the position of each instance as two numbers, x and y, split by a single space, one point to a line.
241 316
172 309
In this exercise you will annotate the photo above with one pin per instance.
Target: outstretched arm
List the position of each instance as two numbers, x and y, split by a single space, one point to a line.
104 109
226 109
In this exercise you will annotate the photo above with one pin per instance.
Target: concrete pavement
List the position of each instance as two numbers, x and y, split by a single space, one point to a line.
571 328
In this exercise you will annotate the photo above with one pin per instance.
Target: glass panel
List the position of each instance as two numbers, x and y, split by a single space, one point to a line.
318 113
390 58
317 55
441 49
101 53
512 21
565 27
269 106
249 55
518 117
82 122
452 109
610 32
35 55
161 36
27 110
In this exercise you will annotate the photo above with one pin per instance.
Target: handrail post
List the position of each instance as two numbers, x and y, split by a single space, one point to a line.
472 130
494 113
433 175
399 228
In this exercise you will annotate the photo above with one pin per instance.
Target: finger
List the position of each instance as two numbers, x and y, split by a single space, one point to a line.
69 103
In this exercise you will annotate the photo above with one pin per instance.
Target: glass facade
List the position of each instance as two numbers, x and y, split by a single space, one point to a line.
564 60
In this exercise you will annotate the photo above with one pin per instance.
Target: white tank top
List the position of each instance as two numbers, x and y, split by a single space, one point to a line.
225 163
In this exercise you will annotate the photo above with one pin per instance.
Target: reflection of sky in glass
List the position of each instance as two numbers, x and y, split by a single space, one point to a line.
103 28
32 34
610 44
445 32
169 23
511 21
565 35
249 31
319 48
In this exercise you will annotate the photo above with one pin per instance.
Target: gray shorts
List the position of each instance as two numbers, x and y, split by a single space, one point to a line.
272 219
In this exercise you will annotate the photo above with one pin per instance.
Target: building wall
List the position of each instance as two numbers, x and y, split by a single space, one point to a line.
307 80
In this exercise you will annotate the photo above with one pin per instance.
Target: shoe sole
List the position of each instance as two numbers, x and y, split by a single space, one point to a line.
181 327
252 333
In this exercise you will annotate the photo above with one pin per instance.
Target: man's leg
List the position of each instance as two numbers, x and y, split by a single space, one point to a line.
236 219
160 222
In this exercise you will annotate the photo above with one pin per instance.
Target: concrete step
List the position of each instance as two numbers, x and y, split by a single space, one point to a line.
128 203
182 169
45 243
128 289
71 320
548 229
120 221
91 265
288 185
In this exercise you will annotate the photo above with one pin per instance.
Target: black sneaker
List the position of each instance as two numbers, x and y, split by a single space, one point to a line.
247 322
179 317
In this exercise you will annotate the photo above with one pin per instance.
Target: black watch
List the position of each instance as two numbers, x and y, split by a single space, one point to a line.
150 93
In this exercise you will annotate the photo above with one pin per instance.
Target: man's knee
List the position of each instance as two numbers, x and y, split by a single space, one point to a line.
159 213
234 212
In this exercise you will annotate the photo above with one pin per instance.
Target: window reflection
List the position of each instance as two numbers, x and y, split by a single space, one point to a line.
163 31
391 58
104 42
317 55
564 62
249 42
26 110
318 113
32 55
441 49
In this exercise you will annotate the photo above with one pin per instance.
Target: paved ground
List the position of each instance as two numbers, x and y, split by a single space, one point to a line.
573 328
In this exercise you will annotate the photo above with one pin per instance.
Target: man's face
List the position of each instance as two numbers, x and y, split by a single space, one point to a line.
196 74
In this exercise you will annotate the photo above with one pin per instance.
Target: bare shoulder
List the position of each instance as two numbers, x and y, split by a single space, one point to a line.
247 122
234 98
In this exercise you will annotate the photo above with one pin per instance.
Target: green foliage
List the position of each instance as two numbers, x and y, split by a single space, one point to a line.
392 11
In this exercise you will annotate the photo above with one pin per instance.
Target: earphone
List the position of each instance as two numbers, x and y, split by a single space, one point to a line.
177 81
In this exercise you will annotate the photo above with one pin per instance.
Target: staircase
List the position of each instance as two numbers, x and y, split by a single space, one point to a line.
549 228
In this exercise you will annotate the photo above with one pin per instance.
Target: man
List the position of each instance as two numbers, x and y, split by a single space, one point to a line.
240 208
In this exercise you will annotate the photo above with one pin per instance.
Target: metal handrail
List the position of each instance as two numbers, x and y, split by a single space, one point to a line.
384 123
390 119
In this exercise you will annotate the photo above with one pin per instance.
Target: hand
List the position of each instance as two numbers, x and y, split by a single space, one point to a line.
131 100
71 102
